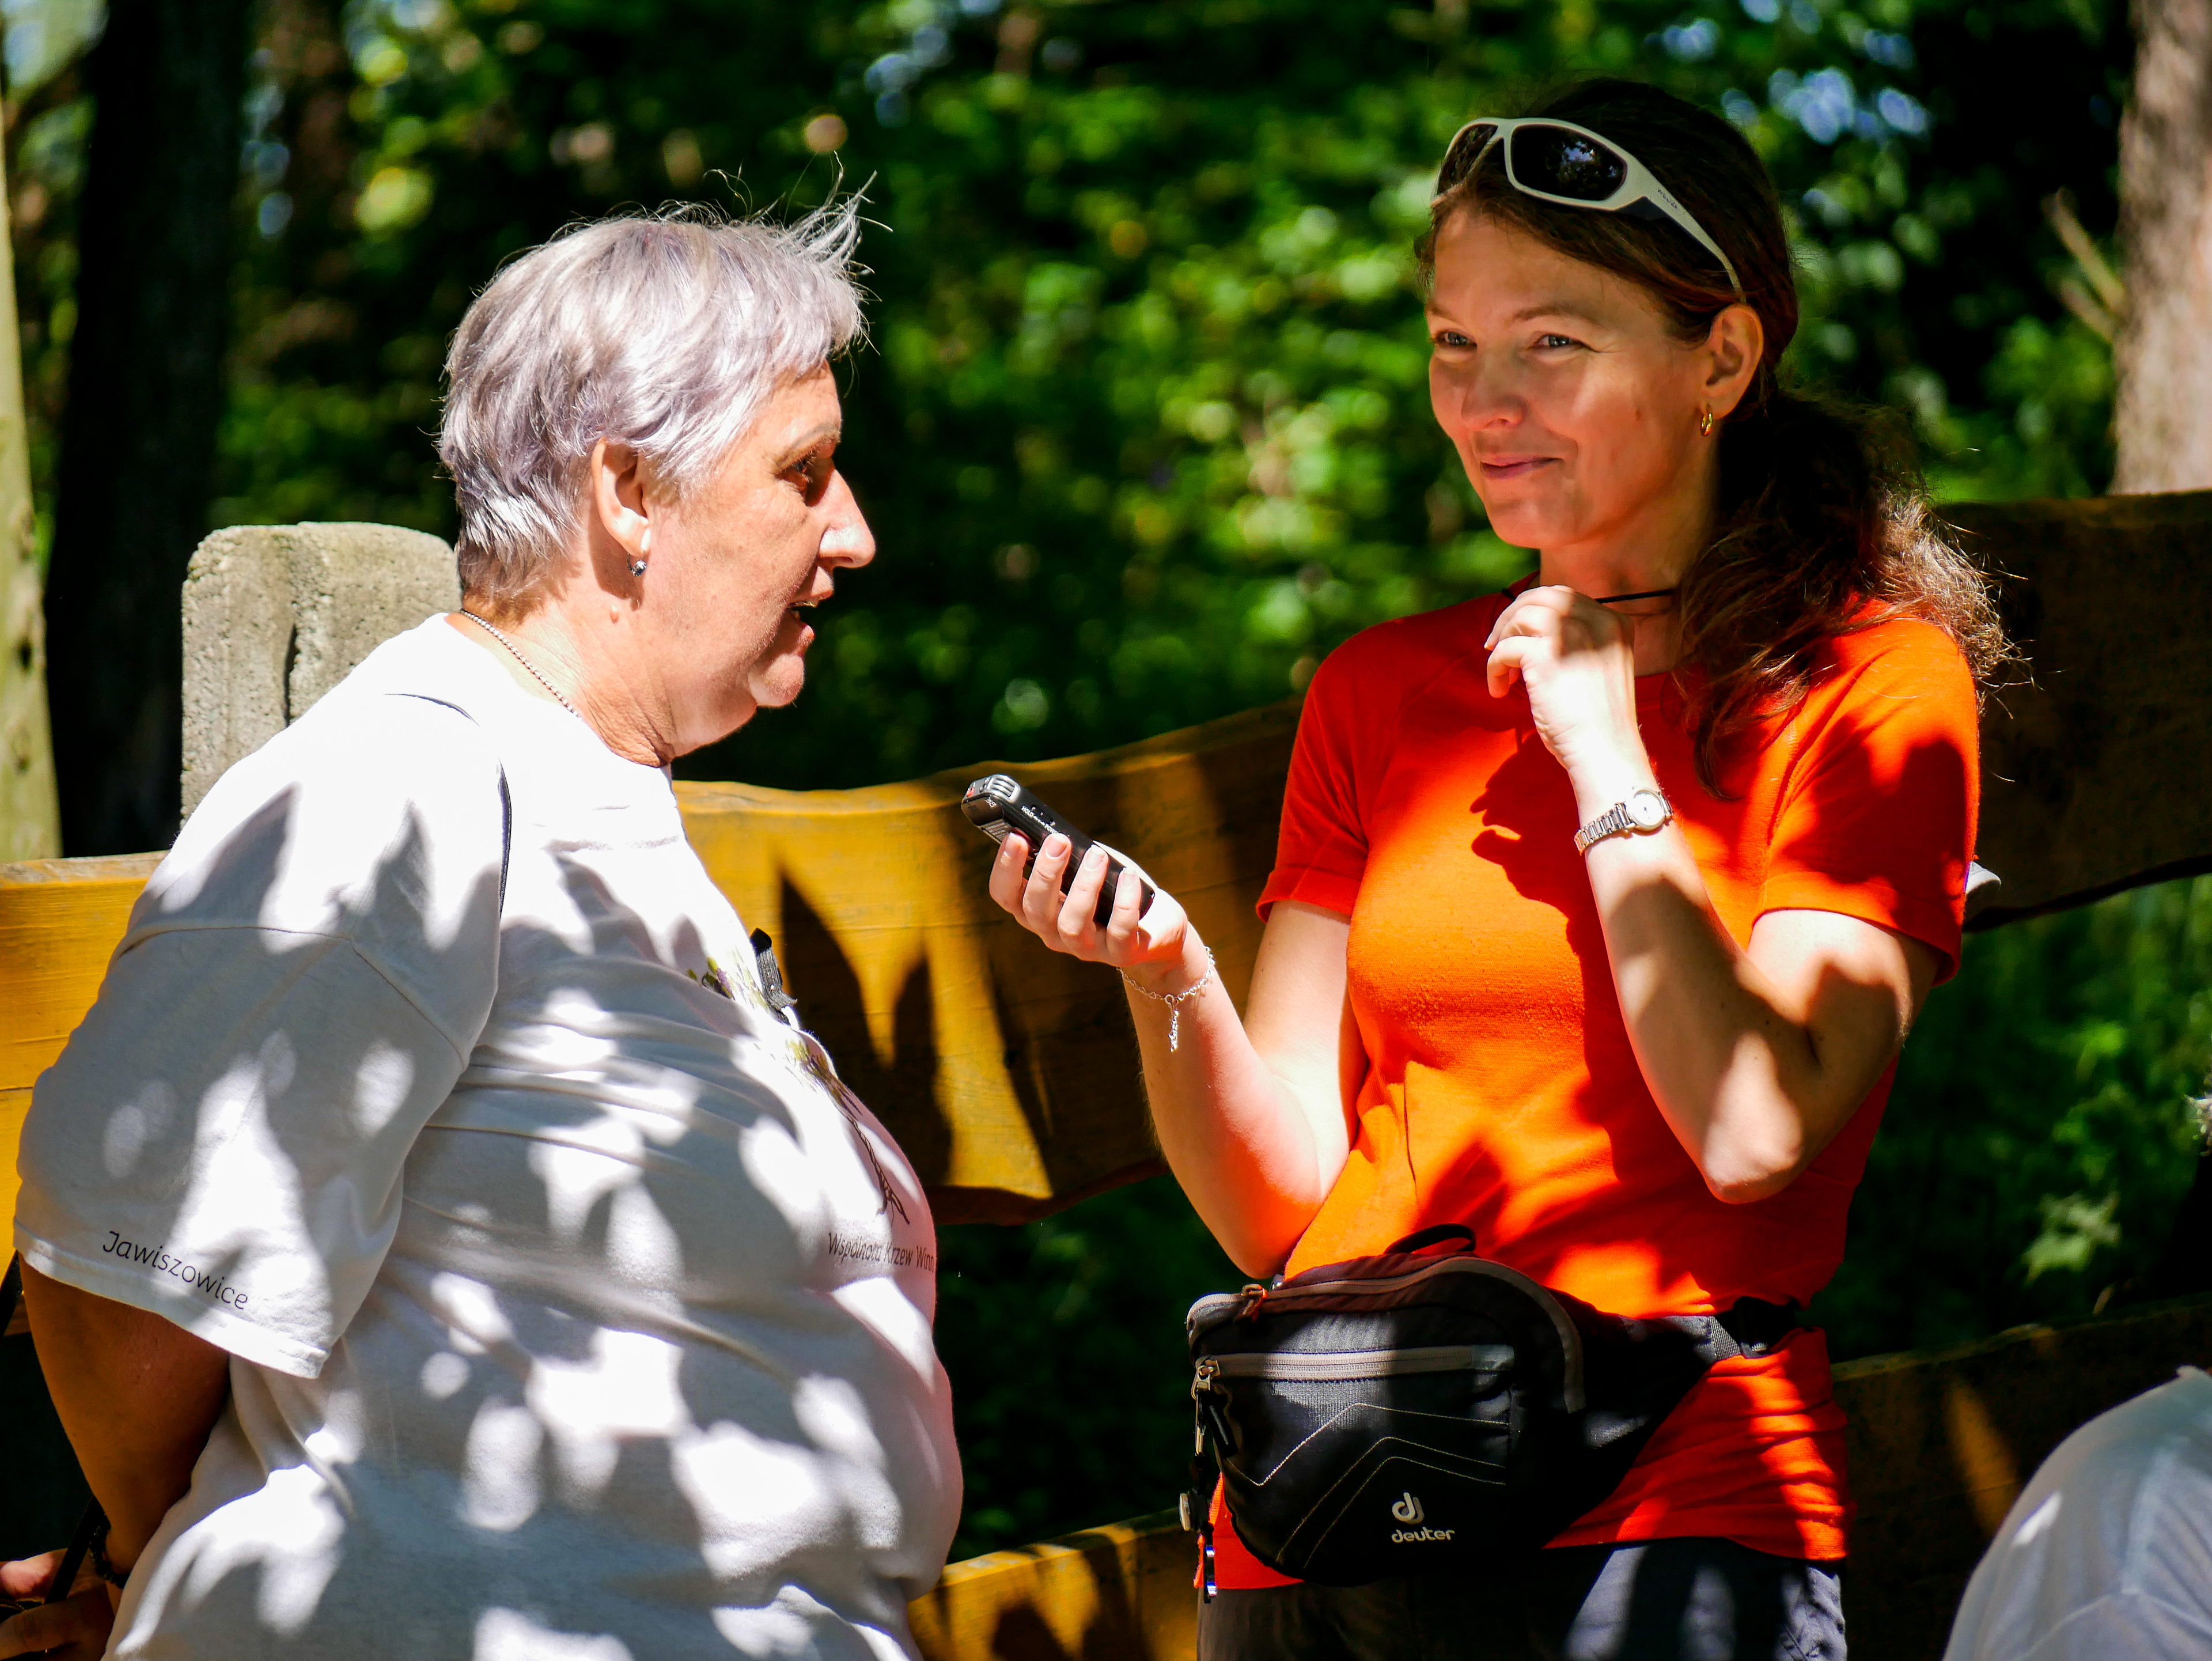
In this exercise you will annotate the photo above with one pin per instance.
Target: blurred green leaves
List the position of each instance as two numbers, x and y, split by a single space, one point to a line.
1065 1338
1145 310
2045 1127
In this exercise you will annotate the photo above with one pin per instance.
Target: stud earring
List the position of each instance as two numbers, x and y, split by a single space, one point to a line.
1705 424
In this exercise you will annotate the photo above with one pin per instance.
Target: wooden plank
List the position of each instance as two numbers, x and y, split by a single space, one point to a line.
59 923
1939 1443
2092 778
14 1105
1123 1590
1009 1074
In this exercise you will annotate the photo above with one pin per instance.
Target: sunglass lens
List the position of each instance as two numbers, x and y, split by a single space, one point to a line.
1561 162
1466 150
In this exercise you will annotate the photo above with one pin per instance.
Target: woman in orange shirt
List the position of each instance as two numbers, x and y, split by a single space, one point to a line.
1602 907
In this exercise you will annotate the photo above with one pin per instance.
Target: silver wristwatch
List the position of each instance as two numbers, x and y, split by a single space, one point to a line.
1645 811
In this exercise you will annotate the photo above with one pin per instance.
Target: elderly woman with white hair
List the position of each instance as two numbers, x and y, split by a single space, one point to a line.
440 1240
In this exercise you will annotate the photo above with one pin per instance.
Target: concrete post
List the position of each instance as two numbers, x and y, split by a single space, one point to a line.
276 615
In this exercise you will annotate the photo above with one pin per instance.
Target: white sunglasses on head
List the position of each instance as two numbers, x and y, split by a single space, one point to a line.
1556 160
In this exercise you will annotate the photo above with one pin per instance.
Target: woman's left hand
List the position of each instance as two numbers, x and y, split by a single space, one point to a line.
1576 661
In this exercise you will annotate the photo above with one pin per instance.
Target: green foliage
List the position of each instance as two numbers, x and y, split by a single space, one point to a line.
1145 424
1064 1342
2047 1112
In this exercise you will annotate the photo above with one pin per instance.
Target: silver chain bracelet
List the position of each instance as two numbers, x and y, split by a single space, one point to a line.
1175 1000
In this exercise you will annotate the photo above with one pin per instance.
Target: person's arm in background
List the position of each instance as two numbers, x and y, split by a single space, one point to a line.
136 1396
1254 1114
1250 1112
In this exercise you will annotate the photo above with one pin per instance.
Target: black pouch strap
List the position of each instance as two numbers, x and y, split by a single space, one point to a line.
93 1523
1435 1234
1753 1327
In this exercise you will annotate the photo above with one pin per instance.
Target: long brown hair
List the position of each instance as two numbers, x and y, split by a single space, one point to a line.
1822 524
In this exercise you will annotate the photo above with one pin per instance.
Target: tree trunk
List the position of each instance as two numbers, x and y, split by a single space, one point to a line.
2164 354
29 826
146 394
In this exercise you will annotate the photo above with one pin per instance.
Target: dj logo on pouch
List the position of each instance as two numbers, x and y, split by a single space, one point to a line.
1408 1512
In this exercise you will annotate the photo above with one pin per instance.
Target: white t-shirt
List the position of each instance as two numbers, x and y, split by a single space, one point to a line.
575 1310
2107 1555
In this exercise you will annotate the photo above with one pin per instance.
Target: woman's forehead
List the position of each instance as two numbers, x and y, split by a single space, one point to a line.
1486 266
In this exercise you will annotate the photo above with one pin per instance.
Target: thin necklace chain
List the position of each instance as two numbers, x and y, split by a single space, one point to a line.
523 660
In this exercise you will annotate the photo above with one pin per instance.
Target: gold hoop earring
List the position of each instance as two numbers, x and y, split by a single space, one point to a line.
1705 424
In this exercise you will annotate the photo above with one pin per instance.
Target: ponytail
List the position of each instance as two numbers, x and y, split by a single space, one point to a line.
1824 529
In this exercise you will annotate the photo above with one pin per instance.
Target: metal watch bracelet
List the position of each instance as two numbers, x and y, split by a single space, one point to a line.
1642 812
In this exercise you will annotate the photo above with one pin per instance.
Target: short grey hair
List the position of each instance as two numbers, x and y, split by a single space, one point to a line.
664 331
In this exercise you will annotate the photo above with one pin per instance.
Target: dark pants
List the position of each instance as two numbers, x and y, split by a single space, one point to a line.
1664 1600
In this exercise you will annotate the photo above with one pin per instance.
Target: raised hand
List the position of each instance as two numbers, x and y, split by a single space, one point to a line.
1576 662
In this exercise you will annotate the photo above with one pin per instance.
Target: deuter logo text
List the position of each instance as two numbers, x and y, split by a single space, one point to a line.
1408 1511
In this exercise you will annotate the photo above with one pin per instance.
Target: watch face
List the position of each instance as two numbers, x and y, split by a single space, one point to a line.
1647 809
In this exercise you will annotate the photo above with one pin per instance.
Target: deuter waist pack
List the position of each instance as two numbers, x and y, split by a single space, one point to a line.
1416 1412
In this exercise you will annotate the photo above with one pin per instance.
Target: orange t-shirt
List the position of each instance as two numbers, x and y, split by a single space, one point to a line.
1501 1089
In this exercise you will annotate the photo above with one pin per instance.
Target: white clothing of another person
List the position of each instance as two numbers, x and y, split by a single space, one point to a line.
2107 1555
573 1308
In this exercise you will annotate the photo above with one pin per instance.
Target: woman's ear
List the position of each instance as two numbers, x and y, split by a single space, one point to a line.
1734 348
621 508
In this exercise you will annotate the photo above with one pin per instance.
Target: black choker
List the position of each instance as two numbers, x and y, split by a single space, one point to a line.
1648 593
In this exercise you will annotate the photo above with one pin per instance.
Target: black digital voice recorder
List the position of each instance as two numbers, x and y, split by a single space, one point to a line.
997 804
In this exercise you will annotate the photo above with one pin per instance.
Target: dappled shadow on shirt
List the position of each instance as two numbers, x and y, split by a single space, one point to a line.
901 1089
1060 1084
592 1388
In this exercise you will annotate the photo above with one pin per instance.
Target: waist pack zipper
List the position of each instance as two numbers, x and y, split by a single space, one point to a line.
1358 1363
1208 1312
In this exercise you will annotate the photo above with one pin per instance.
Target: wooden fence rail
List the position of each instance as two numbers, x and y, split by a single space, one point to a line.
1008 1073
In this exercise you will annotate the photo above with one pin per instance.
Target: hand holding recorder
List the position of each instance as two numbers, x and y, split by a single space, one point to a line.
1075 894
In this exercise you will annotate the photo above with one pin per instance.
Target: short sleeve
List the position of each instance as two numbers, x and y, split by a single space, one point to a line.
1877 818
222 1140
1321 852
